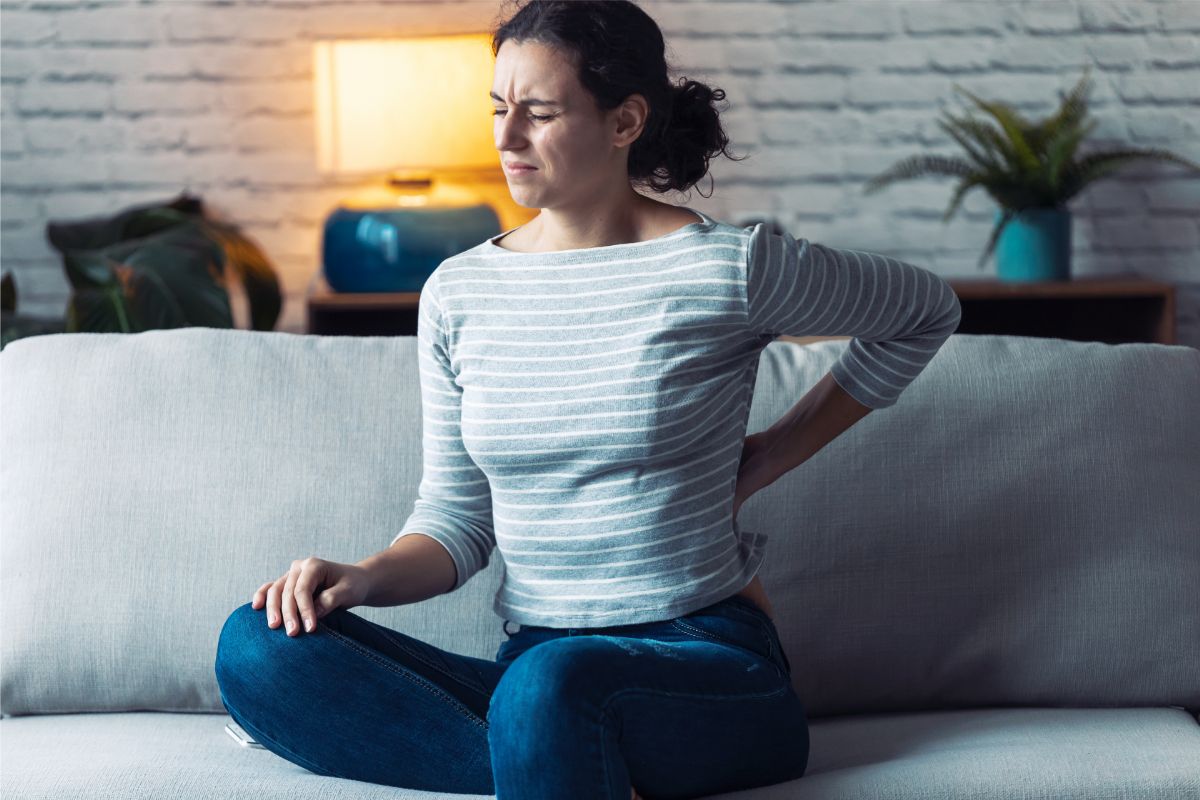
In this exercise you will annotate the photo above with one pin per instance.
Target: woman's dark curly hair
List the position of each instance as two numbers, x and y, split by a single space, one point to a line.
618 51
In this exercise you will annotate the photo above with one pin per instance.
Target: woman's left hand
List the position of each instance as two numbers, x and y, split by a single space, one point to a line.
753 471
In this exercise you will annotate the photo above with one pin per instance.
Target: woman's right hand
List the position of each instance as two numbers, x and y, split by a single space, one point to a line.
290 597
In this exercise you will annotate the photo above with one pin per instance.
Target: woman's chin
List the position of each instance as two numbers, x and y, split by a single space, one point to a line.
522 196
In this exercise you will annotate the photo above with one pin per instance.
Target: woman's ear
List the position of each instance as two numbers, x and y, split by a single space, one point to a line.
629 120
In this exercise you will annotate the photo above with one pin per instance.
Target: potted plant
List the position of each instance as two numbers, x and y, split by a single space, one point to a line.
1031 170
159 265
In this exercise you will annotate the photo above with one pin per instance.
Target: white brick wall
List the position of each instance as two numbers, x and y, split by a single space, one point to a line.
108 103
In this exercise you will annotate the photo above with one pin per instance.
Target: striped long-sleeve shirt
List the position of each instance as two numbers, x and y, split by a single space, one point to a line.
584 410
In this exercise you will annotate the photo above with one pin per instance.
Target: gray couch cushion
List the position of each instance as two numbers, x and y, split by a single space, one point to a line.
1020 528
151 482
1001 754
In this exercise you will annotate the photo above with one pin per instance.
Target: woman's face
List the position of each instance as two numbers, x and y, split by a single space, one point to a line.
563 134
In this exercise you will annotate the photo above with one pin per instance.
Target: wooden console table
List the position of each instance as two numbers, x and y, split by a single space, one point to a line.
1115 309
1111 309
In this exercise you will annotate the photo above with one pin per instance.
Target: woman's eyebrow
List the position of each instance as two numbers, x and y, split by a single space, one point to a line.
528 101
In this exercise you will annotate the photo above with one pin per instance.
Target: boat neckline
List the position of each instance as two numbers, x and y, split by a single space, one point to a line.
705 219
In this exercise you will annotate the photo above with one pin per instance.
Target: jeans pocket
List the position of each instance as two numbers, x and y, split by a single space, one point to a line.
726 630
736 604
787 665
748 609
777 653
740 622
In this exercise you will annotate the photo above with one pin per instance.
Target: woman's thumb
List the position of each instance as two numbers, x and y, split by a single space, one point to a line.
324 603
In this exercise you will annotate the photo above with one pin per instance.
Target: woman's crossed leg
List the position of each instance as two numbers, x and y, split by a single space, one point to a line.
668 708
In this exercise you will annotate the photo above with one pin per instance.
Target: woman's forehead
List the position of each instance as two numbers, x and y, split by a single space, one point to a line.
524 91
532 70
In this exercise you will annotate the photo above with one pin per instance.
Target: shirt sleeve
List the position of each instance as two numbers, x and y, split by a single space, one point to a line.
454 500
897 314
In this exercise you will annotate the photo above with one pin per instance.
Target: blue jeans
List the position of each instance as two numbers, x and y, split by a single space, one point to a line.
687 707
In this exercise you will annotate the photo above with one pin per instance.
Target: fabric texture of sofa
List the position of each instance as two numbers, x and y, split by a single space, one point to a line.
987 590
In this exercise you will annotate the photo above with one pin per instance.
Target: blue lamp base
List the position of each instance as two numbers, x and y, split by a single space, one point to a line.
397 249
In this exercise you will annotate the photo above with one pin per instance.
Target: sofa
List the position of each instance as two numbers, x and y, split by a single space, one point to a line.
990 589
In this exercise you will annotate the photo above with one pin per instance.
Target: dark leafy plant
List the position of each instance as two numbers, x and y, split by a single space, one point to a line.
1022 164
153 266
14 326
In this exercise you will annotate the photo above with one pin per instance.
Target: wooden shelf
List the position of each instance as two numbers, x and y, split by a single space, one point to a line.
1112 309
1091 286
331 313
1115 309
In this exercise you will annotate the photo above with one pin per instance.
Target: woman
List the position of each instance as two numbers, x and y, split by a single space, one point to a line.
585 384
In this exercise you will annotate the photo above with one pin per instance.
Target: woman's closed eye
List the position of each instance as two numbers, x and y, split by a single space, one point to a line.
500 111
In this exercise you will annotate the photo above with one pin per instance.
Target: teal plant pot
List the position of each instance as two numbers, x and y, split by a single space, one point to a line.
1035 245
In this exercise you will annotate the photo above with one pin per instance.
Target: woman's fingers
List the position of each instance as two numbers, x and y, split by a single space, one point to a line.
274 600
305 584
289 598
290 614
260 596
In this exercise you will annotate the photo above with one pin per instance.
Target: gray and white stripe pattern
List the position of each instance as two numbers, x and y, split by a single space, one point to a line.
584 410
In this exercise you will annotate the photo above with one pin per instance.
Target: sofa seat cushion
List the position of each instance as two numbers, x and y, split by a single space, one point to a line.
1000 753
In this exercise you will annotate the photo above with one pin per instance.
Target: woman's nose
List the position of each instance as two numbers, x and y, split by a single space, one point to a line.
506 132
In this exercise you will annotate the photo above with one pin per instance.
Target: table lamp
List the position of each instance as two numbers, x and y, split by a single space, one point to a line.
416 110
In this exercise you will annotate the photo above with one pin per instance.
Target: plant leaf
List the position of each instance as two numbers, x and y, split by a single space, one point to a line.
965 186
1096 165
1071 112
1014 126
977 146
8 293
169 279
919 166
1061 150
1006 216
136 222
248 263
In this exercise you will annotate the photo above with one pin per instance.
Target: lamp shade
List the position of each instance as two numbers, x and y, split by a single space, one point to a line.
413 104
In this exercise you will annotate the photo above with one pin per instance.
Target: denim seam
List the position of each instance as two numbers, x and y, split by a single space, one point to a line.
679 623
783 656
768 625
604 751
419 657
260 736
771 649
764 622
428 685
775 659
694 695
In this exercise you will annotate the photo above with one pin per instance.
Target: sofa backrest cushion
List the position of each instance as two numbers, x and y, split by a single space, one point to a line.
1020 528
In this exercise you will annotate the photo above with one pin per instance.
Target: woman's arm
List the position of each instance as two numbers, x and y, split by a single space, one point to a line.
413 569
897 314
824 412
